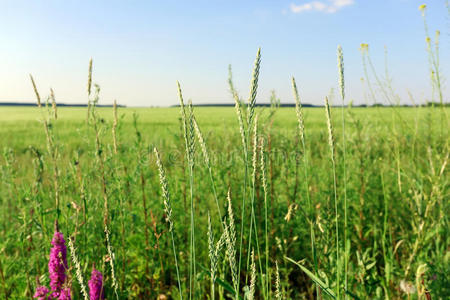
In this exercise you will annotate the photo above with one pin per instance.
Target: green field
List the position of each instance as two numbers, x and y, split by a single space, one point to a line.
396 187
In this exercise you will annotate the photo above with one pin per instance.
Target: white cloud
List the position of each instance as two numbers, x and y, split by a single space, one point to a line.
331 6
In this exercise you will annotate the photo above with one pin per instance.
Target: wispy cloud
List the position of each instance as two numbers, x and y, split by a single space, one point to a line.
331 6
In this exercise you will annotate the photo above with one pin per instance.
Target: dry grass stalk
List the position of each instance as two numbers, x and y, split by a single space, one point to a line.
251 295
112 257
79 273
52 96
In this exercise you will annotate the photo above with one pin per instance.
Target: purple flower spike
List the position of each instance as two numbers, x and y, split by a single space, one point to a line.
41 293
96 285
65 294
57 264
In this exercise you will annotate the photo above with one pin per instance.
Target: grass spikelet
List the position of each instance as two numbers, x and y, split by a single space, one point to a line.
330 128
164 189
168 210
340 57
202 143
213 252
255 150
263 165
207 162
89 87
298 111
233 91
231 219
237 106
78 271
52 96
231 255
191 131
253 88
38 97
230 241
89 82
112 257
266 234
278 294
251 295
254 165
183 116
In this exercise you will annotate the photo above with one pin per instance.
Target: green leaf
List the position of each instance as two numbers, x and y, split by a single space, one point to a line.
314 278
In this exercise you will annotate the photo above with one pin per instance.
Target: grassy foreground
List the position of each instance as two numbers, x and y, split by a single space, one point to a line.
396 188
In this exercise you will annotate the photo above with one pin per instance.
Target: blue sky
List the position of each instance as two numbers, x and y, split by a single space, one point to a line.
140 48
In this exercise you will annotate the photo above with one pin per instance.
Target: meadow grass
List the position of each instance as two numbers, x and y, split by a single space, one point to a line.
366 219
393 232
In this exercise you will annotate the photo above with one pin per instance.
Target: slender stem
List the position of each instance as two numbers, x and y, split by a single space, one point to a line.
333 161
191 182
301 127
342 92
176 264
242 216
383 240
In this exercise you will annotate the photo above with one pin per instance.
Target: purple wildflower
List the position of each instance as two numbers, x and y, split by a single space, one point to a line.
54 295
41 293
65 294
57 263
96 285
